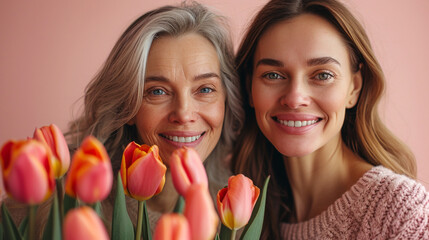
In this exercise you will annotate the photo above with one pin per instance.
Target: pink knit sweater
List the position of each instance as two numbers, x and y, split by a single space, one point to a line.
381 205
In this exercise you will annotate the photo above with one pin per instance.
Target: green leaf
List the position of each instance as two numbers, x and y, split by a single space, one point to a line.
23 226
69 203
225 232
1 232
97 208
53 226
122 227
9 227
146 233
217 236
180 205
254 228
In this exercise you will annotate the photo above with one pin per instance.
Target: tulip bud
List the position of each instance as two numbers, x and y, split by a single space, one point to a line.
200 212
172 227
142 171
27 171
53 137
186 169
83 223
90 177
235 203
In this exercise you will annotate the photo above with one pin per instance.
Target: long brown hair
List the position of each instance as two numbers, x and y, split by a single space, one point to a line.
362 131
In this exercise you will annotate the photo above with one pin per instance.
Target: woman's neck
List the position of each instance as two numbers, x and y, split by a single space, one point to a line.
317 180
166 200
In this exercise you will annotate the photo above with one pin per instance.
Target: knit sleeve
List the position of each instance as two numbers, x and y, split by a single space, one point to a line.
411 219
402 211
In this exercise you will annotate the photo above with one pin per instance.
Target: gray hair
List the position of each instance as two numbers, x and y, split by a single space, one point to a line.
114 96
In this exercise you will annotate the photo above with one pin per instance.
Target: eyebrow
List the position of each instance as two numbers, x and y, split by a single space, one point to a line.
310 62
322 61
198 77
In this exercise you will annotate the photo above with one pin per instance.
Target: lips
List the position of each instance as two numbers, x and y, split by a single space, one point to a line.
291 123
296 121
182 139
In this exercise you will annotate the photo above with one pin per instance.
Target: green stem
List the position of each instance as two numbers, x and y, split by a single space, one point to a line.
233 233
59 185
31 222
140 220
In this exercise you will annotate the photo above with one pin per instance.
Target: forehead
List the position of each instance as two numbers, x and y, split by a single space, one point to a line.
302 37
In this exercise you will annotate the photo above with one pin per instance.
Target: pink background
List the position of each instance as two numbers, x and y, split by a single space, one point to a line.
49 51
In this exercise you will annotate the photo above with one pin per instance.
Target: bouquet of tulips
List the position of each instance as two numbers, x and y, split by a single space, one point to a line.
33 171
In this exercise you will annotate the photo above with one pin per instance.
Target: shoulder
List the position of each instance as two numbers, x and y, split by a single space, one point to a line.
393 204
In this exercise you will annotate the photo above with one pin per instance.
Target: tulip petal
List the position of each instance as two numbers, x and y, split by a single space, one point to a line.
235 202
27 180
145 176
83 223
90 176
187 169
202 223
172 227
95 183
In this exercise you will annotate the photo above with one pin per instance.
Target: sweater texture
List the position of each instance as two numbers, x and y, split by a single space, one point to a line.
381 205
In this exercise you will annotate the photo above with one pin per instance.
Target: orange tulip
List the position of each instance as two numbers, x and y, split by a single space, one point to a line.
27 171
235 203
83 223
187 169
172 227
200 212
142 171
90 177
53 137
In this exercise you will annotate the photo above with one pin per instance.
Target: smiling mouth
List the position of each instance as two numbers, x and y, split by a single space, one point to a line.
181 139
291 123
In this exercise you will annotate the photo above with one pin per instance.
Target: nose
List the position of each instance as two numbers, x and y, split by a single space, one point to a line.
295 95
183 109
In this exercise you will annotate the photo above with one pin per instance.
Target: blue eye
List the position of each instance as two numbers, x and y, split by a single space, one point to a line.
158 92
206 90
272 75
324 76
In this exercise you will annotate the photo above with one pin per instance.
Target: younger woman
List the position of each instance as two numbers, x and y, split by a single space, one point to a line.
312 85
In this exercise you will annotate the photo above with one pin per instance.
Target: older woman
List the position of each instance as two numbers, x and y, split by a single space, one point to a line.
169 81
312 84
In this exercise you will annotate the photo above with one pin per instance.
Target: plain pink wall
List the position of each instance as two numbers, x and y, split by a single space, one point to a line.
49 51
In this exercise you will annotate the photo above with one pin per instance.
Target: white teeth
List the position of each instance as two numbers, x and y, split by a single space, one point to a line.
183 139
291 123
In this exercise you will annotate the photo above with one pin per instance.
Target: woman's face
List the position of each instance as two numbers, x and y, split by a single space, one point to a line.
302 84
184 98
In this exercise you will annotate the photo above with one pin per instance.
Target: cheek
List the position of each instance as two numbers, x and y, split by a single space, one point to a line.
147 120
214 115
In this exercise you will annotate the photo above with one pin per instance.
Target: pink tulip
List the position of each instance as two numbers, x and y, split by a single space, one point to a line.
172 227
235 203
90 176
27 171
142 171
53 137
187 169
83 223
200 212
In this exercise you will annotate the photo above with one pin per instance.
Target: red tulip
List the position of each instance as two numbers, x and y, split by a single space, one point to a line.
83 223
200 212
90 177
187 169
235 203
53 137
27 171
172 227
142 171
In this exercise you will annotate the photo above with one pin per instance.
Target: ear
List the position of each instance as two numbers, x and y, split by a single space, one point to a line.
355 88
